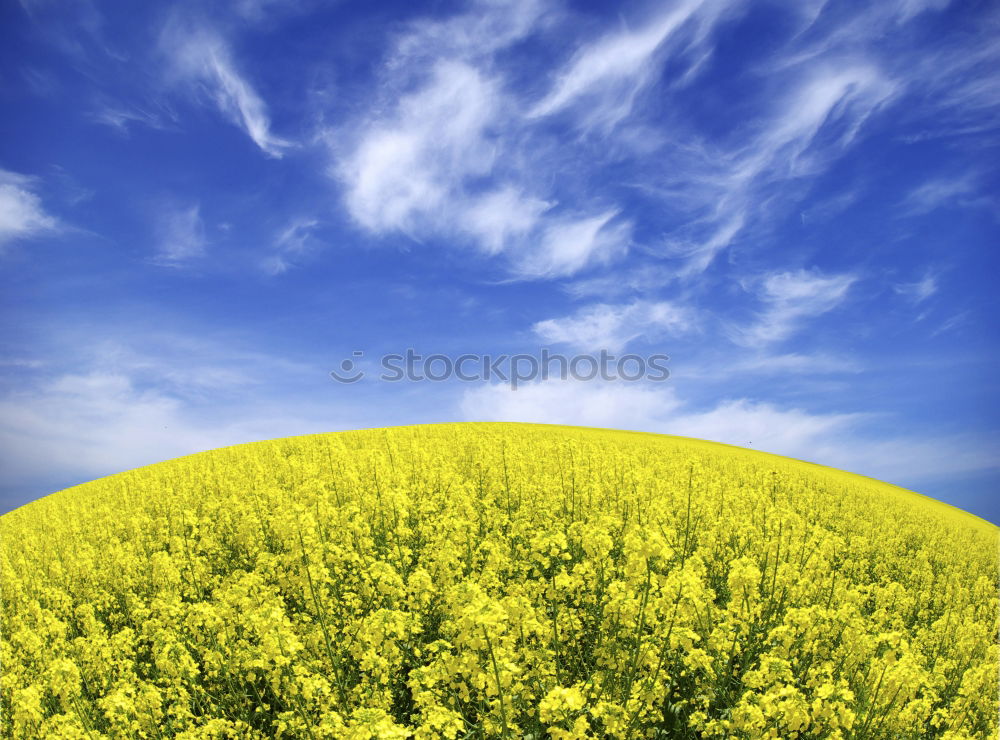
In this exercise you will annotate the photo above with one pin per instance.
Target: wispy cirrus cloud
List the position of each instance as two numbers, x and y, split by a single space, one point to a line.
503 217
22 214
730 190
604 76
258 11
408 166
613 327
201 59
76 30
839 73
944 192
789 299
907 9
293 241
789 364
461 171
920 290
180 235
487 26
644 279
442 160
953 90
569 243
122 117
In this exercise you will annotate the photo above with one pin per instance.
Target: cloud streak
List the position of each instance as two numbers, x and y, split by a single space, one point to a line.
811 125
405 170
200 57
22 215
789 298
607 74
181 235
918 291
437 165
291 243
613 327
453 168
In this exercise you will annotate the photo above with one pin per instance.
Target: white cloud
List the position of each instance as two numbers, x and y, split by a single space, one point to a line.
257 11
181 235
487 27
568 245
502 217
731 189
199 56
942 192
83 425
790 298
604 77
840 97
615 66
645 278
21 362
613 327
291 243
792 363
955 321
946 87
140 397
645 407
825 208
735 207
484 166
122 117
918 291
183 366
620 406
907 9
66 426
792 432
418 169
21 212
406 169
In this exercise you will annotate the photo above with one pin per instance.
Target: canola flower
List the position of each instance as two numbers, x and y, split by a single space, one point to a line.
496 581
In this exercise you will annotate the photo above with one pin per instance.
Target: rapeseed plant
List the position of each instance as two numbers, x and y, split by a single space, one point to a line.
496 580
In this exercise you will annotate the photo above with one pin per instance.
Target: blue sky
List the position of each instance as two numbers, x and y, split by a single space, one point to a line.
205 207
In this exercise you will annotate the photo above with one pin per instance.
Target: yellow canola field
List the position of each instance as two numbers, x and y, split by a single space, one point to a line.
496 580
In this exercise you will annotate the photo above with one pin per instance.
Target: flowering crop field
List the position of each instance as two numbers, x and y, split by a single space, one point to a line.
496 580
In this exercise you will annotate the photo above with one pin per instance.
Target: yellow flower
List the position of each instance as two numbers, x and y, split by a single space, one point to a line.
492 579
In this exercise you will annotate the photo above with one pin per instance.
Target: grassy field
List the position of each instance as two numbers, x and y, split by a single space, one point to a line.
496 580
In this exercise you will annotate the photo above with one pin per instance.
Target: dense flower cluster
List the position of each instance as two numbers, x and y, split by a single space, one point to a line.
496 580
